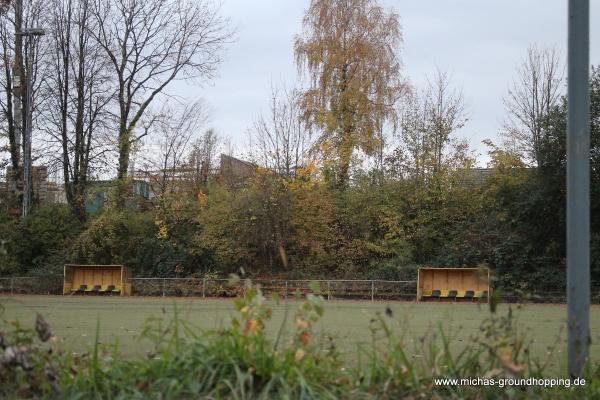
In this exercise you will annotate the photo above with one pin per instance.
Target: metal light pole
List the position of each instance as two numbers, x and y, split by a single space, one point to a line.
30 34
578 188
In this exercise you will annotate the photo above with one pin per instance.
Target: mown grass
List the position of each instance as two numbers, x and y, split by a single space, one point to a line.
265 350
121 319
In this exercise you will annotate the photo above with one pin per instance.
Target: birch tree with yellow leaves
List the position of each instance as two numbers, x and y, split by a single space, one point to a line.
349 52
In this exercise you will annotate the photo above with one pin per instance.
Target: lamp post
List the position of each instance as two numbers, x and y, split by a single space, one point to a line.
578 188
31 35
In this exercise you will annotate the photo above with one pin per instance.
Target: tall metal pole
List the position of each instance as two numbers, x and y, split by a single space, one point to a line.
578 188
27 179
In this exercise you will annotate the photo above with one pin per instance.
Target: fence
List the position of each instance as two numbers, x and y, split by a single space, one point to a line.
32 285
330 288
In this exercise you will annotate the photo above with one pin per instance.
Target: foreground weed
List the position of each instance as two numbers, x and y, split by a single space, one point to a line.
240 361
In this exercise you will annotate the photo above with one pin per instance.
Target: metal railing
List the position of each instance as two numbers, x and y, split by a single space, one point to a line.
31 285
330 288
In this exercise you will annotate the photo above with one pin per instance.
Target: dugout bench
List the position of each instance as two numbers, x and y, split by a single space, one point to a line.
97 280
453 284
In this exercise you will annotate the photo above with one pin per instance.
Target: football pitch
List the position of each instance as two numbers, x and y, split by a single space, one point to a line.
74 320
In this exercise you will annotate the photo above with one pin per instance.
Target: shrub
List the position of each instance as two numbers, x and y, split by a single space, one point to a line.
392 270
39 243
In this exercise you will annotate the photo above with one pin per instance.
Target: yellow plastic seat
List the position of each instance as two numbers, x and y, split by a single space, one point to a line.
76 287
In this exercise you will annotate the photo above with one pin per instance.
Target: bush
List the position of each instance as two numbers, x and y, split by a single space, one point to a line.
40 243
392 270
118 237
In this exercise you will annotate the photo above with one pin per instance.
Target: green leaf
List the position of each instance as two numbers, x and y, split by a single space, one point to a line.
234 279
315 287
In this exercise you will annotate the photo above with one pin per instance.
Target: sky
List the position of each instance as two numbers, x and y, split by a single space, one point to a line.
479 43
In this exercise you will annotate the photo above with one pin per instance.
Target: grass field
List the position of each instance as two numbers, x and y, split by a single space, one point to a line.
74 319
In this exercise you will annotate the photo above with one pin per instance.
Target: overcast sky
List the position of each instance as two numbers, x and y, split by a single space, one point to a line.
480 43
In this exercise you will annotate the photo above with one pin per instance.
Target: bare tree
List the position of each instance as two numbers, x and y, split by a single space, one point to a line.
77 95
535 90
170 136
428 120
14 92
445 110
281 139
4 5
151 43
8 131
203 158
14 18
409 158
8 98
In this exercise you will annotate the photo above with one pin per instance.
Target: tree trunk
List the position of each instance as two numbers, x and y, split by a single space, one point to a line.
18 103
123 168
346 148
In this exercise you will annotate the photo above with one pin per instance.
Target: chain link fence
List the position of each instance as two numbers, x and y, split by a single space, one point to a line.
198 287
543 296
331 289
32 285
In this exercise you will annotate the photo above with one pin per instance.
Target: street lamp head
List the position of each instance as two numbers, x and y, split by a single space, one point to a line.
32 32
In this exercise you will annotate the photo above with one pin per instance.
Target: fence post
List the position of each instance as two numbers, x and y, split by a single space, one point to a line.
12 285
203 287
328 291
285 294
372 290
164 284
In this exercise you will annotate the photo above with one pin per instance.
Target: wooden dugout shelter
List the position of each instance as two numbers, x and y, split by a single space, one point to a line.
97 279
455 284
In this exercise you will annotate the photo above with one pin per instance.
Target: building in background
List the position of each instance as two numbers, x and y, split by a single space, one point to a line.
234 172
144 185
98 194
44 191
